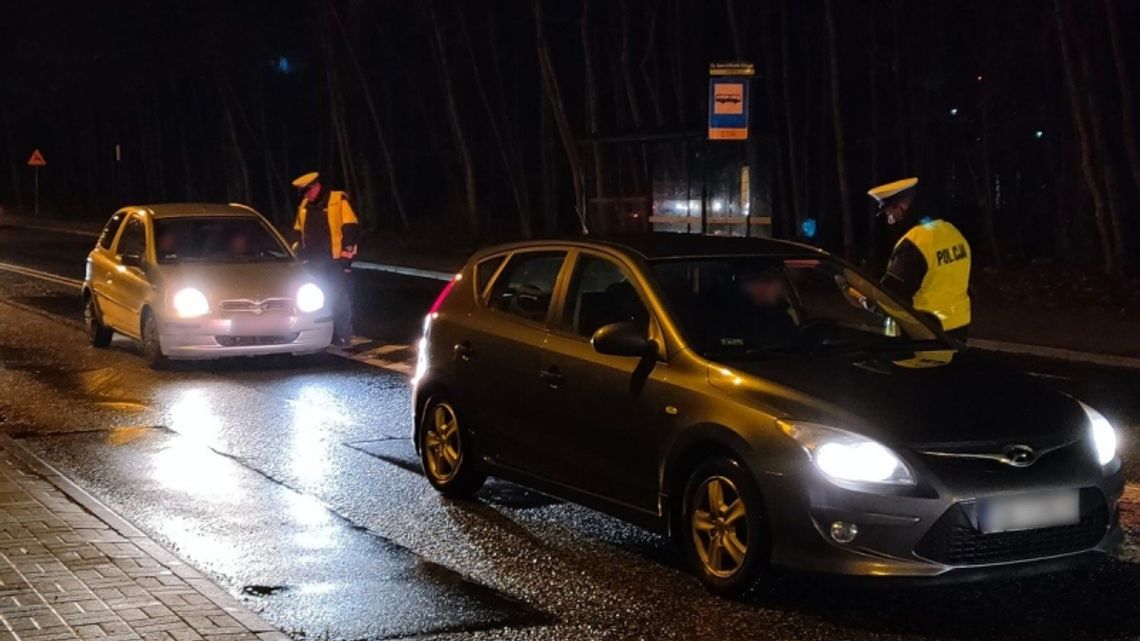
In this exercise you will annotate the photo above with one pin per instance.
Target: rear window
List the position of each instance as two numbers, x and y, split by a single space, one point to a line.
525 287
227 239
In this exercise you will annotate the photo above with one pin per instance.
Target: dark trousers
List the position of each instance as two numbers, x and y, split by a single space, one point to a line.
335 279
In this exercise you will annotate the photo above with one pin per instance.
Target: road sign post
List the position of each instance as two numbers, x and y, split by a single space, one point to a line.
35 161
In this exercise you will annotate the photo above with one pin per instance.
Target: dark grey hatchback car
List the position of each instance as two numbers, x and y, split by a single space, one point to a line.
761 402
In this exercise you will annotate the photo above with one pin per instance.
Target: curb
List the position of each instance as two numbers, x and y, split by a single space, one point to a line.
1056 353
203 584
403 271
52 228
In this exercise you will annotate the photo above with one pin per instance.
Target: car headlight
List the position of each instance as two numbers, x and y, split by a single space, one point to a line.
1102 433
190 303
848 457
310 298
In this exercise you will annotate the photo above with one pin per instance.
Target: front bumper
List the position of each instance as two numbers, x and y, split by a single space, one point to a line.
245 335
929 534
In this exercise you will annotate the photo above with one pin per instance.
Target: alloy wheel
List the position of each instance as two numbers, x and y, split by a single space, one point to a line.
719 527
442 443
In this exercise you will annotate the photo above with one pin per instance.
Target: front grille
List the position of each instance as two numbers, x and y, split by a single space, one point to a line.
953 539
257 306
245 341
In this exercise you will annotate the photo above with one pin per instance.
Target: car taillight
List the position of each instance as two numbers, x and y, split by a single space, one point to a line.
443 295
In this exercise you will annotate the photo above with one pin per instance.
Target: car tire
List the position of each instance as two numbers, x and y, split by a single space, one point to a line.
98 334
151 346
724 529
446 452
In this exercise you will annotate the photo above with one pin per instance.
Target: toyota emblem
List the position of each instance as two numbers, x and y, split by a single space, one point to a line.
1019 455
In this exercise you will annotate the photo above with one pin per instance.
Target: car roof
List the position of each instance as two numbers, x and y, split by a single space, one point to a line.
664 245
191 210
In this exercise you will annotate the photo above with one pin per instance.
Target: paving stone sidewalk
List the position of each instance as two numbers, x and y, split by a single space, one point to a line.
71 569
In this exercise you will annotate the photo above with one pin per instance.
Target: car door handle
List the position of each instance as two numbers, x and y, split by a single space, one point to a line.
464 351
552 377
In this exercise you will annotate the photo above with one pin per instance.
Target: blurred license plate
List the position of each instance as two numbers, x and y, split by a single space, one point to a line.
1029 511
257 325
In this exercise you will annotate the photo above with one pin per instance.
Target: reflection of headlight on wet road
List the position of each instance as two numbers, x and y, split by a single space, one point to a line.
310 298
190 303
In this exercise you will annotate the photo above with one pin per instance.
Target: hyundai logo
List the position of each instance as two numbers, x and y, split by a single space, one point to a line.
1019 455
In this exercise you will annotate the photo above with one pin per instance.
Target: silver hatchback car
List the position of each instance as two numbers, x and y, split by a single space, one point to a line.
201 281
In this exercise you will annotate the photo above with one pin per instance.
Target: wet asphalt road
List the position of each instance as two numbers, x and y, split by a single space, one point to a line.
297 489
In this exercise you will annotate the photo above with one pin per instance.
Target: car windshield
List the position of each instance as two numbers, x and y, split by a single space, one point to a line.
753 306
216 239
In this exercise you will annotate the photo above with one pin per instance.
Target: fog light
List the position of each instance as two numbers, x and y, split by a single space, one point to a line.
844 532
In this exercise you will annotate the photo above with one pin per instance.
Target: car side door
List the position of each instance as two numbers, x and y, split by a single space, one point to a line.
126 287
498 351
101 262
603 414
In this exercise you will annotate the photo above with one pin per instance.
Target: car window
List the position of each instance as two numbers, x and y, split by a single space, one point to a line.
600 293
133 240
485 270
216 239
107 236
752 305
525 287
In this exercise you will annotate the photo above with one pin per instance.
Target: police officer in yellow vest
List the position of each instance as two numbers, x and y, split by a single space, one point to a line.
930 265
325 232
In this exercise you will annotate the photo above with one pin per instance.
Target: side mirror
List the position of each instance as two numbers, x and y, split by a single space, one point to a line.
131 260
623 339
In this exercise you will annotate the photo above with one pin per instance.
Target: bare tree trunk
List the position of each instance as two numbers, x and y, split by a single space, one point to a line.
780 220
735 28
1103 158
677 53
466 162
557 106
13 162
651 78
794 166
377 126
840 147
984 189
1124 81
873 90
514 177
235 146
641 173
1104 233
900 92
591 96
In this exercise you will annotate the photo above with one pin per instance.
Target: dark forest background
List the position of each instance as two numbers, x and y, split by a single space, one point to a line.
471 120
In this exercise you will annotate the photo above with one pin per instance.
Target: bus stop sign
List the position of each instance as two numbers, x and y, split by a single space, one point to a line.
728 100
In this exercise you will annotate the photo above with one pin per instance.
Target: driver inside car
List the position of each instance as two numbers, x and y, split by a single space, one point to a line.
761 316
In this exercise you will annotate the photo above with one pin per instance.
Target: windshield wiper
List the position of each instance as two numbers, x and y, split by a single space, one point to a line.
886 346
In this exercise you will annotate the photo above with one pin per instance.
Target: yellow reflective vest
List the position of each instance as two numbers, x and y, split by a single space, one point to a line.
944 291
340 214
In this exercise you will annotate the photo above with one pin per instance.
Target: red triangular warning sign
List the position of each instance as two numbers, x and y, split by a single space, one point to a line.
37 159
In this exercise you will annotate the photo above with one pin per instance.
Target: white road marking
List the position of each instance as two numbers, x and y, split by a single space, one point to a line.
42 275
1052 376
